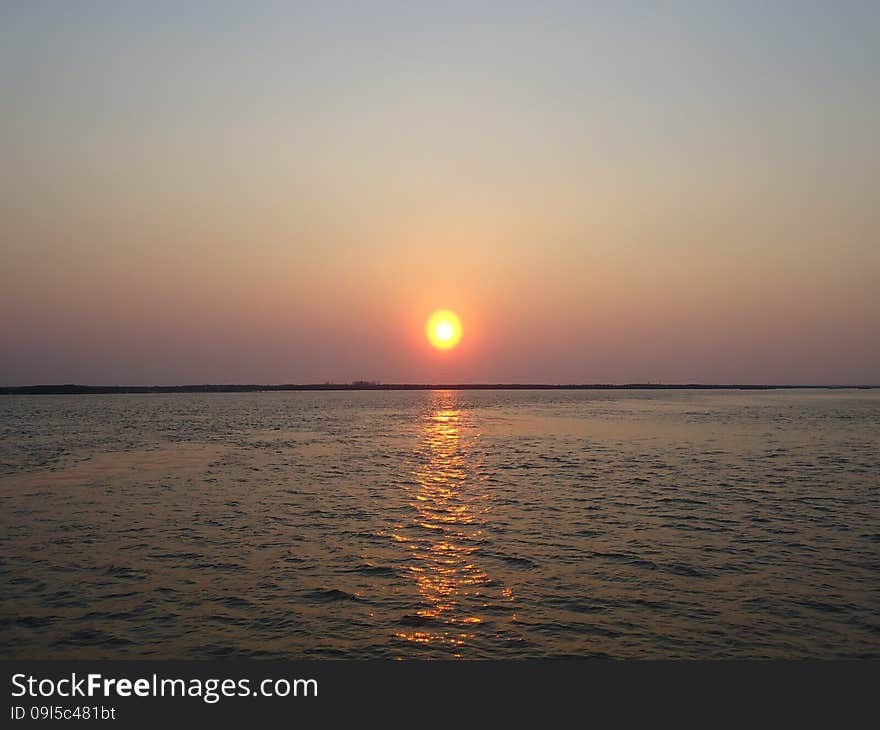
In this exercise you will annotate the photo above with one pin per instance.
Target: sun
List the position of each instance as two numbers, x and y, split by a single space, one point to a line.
444 329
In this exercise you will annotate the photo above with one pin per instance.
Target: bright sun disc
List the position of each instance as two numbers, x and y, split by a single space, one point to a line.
444 329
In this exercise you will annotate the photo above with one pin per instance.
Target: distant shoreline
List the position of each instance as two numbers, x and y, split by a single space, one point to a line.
72 389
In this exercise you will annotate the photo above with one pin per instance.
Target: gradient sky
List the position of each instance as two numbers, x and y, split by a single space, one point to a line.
283 192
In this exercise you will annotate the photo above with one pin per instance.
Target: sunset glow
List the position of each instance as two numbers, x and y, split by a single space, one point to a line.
602 196
444 329
484 331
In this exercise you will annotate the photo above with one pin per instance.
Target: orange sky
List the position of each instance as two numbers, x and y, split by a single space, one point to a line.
285 196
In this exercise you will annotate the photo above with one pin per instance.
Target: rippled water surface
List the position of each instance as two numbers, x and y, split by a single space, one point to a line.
441 524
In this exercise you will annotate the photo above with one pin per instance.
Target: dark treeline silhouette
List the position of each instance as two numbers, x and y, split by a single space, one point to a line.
71 389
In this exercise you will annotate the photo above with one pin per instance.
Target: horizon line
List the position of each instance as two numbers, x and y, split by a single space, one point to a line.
357 385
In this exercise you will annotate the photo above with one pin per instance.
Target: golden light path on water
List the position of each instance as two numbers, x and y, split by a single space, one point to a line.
416 525
450 505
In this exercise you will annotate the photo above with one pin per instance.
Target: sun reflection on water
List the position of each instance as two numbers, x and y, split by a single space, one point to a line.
446 530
